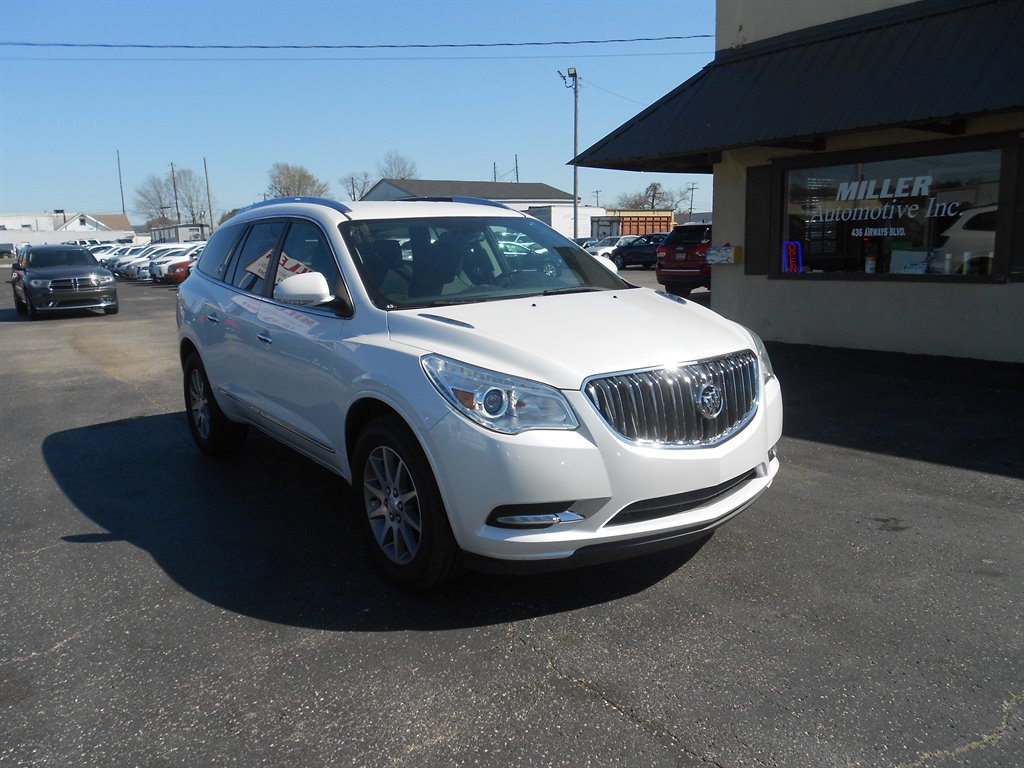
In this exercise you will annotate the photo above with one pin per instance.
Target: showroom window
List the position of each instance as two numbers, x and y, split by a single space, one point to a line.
931 214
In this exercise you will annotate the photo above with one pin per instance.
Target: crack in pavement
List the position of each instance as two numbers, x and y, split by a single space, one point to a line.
651 726
987 740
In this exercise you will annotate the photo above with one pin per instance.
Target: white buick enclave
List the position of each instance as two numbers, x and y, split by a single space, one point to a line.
488 409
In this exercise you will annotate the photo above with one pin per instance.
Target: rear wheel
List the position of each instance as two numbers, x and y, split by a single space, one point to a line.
214 433
400 508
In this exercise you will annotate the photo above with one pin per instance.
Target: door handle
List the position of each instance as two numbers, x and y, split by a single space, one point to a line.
265 338
212 317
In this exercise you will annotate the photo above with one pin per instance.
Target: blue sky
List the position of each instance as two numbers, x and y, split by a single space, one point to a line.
66 112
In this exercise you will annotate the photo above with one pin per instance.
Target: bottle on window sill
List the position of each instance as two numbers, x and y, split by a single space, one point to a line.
869 264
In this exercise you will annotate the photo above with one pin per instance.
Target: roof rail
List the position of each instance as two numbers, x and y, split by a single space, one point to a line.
456 199
339 207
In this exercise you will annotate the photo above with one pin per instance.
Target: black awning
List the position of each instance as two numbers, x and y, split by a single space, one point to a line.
924 65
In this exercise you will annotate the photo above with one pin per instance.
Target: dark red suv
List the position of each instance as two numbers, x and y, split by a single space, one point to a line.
682 258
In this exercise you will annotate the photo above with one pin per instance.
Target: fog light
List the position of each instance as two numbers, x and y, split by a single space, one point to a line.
543 515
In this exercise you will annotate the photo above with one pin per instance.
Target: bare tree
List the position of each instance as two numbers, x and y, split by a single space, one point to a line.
191 194
397 166
356 184
654 197
293 181
154 199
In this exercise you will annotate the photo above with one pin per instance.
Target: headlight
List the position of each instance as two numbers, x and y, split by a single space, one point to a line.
497 401
767 372
39 283
104 279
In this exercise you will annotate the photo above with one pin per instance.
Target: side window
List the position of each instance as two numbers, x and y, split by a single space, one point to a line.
253 259
214 260
306 250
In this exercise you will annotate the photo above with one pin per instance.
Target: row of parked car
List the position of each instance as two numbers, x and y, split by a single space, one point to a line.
680 256
159 262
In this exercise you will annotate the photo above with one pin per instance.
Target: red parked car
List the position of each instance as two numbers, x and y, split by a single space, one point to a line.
177 273
682 258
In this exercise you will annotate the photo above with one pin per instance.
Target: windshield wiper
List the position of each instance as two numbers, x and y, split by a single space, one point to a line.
571 289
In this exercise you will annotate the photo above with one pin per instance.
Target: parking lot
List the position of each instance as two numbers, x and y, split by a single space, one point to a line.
161 608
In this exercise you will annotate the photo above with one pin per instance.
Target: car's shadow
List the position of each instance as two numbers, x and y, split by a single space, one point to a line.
269 534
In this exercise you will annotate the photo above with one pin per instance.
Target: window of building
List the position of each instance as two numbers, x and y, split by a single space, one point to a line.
925 214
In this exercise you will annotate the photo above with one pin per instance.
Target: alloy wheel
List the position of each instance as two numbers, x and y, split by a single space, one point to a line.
199 404
392 505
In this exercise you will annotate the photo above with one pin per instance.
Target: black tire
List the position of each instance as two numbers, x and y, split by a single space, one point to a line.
618 261
19 305
33 313
400 510
110 310
214 433
679 290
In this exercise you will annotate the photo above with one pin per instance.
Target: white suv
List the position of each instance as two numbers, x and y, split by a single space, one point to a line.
469 398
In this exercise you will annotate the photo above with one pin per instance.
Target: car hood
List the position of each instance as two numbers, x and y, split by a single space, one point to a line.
562 340
55 273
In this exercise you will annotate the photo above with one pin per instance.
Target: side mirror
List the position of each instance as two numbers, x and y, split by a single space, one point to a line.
308 289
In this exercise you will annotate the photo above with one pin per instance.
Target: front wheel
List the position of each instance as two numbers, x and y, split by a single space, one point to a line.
214 433
400 508
110 310
19 306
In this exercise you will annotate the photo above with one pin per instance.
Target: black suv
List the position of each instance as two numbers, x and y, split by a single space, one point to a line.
682 258
54 278
642 251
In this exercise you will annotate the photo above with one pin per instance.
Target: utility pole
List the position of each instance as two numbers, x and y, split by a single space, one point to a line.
517 168
174 184
691 187
575 146
120 181
209 200
597 197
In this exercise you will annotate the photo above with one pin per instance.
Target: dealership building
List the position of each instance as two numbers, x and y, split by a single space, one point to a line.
868 168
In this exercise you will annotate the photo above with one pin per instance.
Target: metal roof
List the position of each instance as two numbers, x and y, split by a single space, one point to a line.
492 190
922 65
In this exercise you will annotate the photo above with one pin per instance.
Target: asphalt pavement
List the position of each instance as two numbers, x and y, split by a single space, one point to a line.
164 609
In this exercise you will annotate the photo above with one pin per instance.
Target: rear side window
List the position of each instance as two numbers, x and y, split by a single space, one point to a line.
214 260
252 262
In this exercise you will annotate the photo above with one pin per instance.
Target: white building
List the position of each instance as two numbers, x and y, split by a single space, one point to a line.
18 229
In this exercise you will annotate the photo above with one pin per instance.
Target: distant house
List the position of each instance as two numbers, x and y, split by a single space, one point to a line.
544 202
512 194
17 229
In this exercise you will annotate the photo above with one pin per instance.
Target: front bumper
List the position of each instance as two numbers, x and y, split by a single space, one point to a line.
47 300
601 480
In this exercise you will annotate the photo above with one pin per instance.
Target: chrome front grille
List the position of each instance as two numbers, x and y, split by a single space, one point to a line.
73 283
676 405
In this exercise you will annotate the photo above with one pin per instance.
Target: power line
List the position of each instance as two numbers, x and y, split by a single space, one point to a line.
271 60
350 46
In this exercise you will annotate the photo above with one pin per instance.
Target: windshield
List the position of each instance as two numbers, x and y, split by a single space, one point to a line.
423 262
69 257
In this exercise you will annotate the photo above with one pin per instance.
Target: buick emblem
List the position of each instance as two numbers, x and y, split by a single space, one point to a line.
709 401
